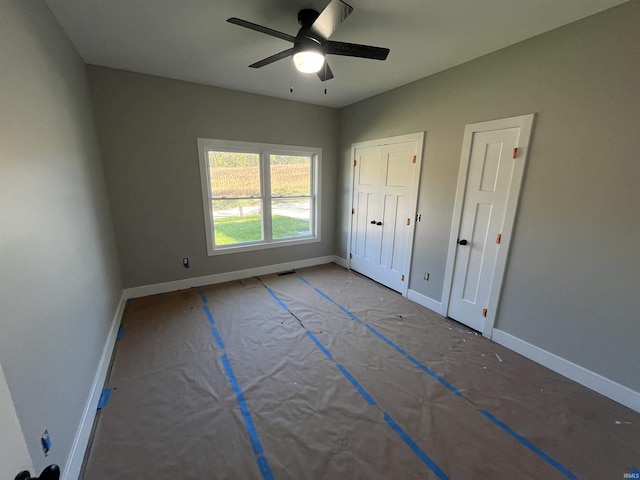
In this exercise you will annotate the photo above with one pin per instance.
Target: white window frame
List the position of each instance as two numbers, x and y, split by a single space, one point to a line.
264 150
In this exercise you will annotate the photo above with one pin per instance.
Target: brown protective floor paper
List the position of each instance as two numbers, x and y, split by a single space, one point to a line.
173 413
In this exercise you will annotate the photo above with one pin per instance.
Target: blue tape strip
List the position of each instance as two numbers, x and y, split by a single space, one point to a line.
324 295
555 464
263 465
358 387
277 299
120 335
385 339
218 338
433 374
349 313
209 315
304 279
320 345
104 398
426 459
203 297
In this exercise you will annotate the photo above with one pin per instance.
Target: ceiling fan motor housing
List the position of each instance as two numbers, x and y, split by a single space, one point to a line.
307 16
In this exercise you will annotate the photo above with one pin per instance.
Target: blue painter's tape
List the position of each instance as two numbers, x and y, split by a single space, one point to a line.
203 297
263 465
120 335
248 421
209 315
426 459
355 383
385 339
104 398
319 345
216 334
304 279
349 313
324 295
277 299
433 374
554 463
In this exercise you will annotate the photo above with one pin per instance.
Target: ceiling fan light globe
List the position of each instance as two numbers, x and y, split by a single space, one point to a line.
308 61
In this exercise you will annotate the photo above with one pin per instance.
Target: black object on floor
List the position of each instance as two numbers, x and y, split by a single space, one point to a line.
52 472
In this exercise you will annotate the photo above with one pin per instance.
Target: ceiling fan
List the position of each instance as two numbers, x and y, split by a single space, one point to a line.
311 45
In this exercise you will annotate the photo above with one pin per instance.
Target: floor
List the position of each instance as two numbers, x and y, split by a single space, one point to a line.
324 374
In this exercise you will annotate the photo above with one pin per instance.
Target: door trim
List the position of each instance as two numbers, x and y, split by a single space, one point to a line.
525 123
413 206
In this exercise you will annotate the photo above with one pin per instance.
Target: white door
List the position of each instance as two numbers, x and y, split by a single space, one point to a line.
384 197
488 189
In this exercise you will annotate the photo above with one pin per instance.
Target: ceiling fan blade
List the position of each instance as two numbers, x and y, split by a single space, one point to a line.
261 29
325 72
272 58
356 50
333 15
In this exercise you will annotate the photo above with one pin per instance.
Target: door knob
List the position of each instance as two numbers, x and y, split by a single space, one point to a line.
373 222
462 242
379 223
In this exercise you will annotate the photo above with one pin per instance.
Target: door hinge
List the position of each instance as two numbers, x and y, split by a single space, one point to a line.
415 157
350 255
408 221
353 210
499 238
515 152
355 162
484 312
402 278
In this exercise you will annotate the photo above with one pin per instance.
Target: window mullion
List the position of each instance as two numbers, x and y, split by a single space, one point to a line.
265 173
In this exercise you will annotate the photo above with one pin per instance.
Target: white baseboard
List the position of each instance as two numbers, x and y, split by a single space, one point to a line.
341 261
594 381
83 433
166 287
425 301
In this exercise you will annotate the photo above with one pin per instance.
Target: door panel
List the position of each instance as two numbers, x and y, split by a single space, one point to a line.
369 171
400 236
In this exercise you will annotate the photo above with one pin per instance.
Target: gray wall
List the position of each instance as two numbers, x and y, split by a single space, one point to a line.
148 128
59 279
572 282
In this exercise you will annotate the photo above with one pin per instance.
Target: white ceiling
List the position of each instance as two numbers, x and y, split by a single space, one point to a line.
191 40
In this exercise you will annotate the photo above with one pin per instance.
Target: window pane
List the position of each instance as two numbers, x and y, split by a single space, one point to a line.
290 175
237 221
234 175
291 218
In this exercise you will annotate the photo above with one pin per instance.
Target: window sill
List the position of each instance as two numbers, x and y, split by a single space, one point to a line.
248 247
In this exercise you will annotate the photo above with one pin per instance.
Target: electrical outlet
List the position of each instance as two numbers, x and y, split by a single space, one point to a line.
45 441
185 262
426 276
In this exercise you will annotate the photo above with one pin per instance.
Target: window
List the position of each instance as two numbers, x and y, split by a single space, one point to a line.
258 195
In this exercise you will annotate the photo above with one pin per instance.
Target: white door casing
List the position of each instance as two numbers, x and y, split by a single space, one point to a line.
489 182
384 198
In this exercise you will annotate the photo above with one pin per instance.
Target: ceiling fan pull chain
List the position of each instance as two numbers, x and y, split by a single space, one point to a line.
291 76
325 77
